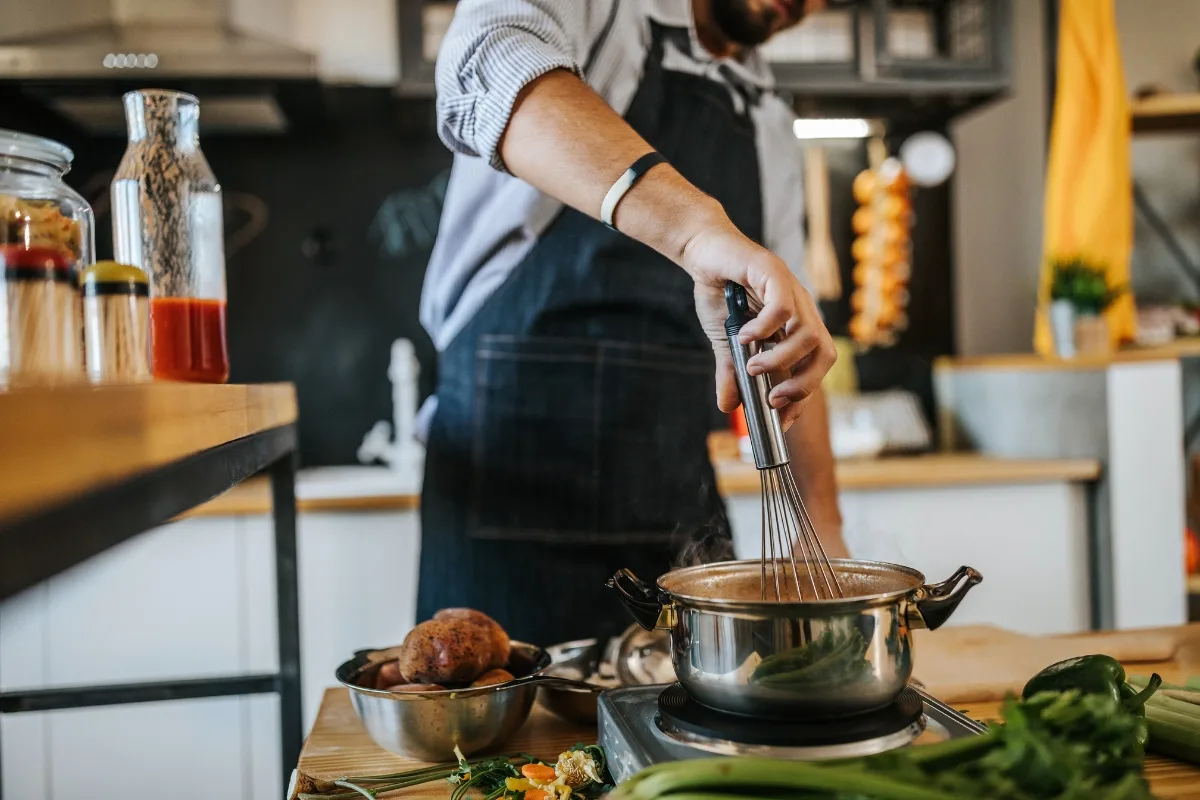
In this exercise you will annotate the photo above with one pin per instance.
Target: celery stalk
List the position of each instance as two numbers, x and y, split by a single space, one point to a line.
1173 734
753 776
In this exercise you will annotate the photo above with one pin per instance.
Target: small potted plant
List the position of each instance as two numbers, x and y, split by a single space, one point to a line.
1079 294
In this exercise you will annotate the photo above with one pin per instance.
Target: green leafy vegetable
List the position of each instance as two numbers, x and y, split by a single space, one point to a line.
835 658
1053 746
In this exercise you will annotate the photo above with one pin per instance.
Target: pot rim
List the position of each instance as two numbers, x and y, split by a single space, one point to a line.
806 607
348 670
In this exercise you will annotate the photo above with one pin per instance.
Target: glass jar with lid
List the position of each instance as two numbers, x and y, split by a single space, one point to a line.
47 234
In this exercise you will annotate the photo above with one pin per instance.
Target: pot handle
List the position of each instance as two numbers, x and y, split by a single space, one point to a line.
640 598
937 601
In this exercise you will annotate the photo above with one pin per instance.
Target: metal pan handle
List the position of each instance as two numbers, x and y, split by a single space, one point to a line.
936 602
643 601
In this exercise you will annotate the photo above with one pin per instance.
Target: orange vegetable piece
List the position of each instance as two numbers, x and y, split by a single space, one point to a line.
537 794
538 772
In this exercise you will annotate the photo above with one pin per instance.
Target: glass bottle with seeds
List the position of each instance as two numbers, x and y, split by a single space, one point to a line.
167 220
116 322
46 236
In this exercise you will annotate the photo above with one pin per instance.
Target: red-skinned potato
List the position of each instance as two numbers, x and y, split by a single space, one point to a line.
492 677
445 651
416 687
498 638
388 675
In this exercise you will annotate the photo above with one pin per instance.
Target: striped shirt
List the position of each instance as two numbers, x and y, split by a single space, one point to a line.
493 48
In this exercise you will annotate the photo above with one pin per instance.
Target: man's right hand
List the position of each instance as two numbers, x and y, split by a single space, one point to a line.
804 351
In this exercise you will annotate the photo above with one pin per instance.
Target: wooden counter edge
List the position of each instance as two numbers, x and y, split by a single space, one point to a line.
926 472
253 497
734 477
1180 348
61 442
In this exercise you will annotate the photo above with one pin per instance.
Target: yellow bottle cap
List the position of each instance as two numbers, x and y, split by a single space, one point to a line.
109 277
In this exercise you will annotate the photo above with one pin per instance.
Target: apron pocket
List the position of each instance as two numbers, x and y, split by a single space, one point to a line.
581 441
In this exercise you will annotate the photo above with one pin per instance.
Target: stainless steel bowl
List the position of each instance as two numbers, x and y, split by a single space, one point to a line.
637 657
428 725
577 660
735 652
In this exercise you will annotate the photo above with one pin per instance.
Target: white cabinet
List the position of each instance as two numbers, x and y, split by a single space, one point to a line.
193 599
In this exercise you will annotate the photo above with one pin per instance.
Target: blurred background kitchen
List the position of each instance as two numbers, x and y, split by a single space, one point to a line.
926 130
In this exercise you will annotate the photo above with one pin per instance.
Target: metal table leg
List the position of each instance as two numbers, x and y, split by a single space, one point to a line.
283 495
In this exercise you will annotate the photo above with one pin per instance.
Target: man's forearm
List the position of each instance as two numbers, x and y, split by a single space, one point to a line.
813 466
567 141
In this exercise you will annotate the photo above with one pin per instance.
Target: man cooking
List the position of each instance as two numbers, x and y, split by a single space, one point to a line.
617 161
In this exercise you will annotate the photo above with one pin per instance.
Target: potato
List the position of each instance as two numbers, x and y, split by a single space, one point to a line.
492 677
445 651
388 675
416 687
500 645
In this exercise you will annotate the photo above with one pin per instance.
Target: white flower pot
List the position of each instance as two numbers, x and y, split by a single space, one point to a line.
1062 323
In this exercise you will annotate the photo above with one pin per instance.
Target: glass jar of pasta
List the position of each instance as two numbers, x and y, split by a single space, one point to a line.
46 237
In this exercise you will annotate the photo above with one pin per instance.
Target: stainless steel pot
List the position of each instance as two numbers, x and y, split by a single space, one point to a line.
734 652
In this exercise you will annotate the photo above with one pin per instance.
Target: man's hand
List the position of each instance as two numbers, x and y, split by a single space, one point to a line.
803 351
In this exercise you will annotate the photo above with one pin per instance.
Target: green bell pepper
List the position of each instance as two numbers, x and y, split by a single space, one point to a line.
1095 674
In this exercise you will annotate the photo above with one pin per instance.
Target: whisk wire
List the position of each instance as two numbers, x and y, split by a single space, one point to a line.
788 528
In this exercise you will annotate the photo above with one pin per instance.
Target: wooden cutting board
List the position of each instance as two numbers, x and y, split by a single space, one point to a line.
980 663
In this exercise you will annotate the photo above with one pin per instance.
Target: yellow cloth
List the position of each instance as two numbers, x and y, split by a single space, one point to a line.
1089 203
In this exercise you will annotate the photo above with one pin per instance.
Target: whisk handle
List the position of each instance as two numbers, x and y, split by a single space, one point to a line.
763 424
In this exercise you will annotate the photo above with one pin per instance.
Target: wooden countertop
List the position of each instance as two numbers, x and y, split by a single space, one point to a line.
254 497
338 745
61 442
734 477
1188 347
925 471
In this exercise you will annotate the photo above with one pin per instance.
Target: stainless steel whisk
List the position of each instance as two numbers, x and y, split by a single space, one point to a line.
787 530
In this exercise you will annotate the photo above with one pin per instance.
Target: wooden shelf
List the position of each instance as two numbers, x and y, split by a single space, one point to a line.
64 442
1166 113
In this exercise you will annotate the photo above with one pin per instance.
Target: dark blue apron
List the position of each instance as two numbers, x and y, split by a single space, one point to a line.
570 437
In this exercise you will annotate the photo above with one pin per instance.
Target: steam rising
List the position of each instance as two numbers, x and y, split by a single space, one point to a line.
707 543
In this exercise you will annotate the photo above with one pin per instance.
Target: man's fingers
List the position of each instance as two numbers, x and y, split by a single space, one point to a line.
727 390
806 377
791 412
772 317
798 345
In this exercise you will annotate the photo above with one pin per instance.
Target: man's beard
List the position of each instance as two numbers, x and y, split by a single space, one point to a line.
740 24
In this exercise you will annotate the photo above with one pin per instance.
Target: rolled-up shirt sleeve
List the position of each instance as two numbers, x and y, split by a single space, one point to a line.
492 50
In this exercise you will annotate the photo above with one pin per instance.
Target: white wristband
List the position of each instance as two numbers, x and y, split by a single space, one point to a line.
625 183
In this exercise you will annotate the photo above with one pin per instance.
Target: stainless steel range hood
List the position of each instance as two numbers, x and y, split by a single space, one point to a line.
77 56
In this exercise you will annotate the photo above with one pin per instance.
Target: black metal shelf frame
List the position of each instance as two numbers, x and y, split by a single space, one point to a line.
40 546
